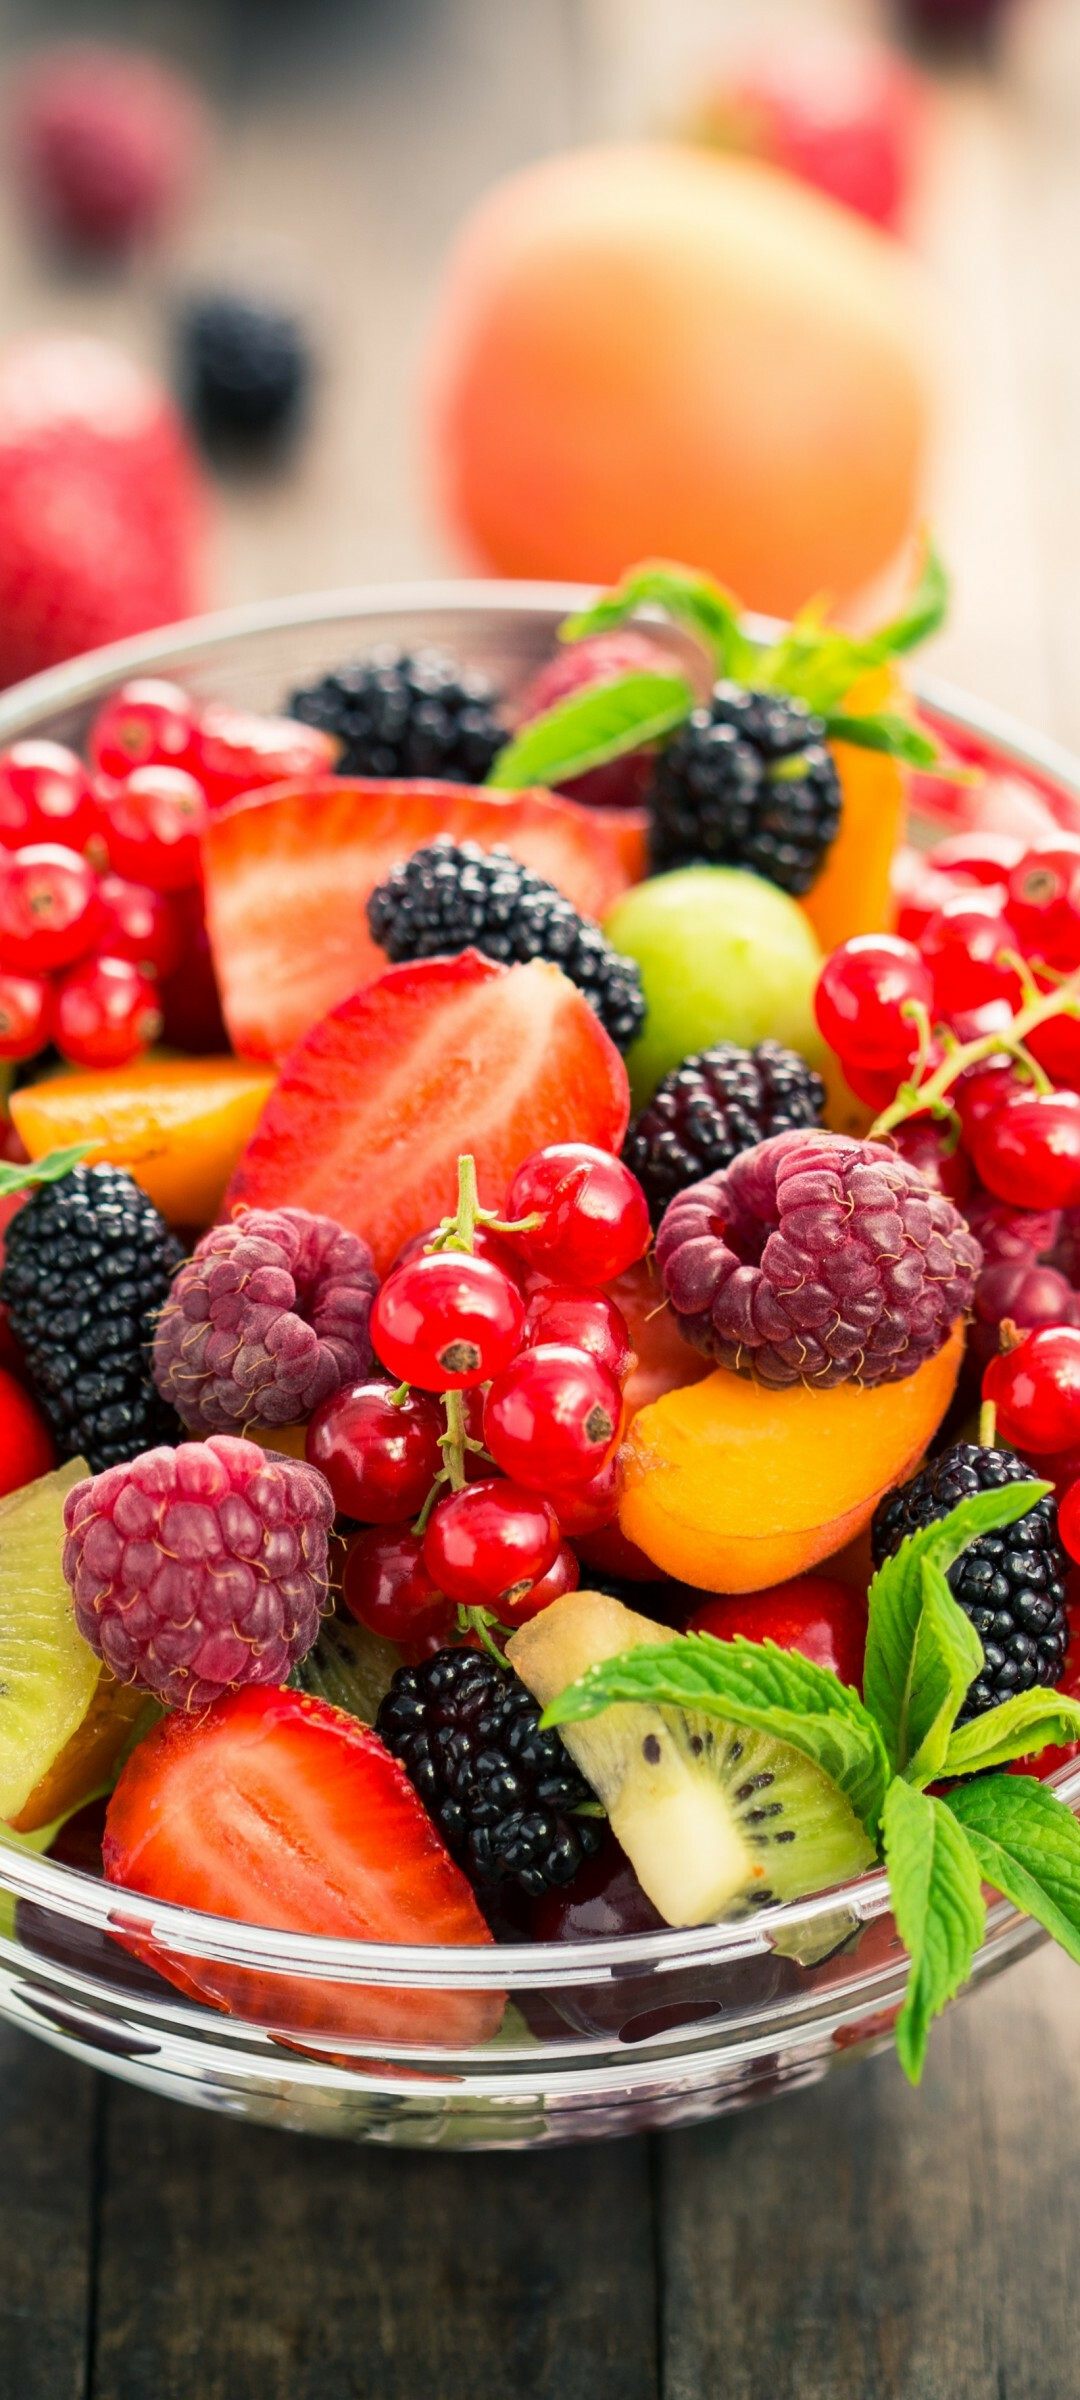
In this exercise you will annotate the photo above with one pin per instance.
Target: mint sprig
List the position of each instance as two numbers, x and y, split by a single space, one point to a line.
812 661
922 1655
753 1684
50 1169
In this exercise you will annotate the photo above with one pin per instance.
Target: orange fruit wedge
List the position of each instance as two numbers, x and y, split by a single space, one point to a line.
178 1125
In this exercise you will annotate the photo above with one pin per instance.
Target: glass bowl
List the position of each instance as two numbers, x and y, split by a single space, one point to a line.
502 2047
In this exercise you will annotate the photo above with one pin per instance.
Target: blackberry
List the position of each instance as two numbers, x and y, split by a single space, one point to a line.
1011 1584
396 714
246 370
504 1795
717 1103
453 896
747 781
88 1264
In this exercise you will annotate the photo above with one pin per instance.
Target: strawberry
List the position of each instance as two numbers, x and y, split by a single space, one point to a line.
288 877
622 784
445 1055
275 1809
841 112
235 752
816 1615
103 508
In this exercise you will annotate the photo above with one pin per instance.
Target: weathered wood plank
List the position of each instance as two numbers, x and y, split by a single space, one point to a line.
48 2111
239 2264
872 2243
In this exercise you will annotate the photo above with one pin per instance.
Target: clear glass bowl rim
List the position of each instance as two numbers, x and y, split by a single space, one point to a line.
28 1875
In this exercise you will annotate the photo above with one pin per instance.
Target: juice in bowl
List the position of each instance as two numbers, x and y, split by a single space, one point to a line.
539 1388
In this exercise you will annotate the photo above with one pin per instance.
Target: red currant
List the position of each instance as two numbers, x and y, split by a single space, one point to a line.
236 753
1026 1293
106 1013
563 1312
140 925
563 1577
979 856
919 899
380 1457
147 723
963 947
45 796
152 825
591 1507
485 1245
447 1321
50 912
876 1090
928 1146
489 1544
861 994
25 1014
594 1219
26 1445
982 1090
386 1586
1028 1152
1044 901
552 1417
1036 1390
1069 1520
1056 1046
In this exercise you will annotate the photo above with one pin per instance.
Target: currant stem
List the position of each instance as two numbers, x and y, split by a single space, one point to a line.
452 1443
987 1425
914 1100
480 1620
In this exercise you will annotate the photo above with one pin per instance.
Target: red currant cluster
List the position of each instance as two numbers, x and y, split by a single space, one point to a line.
1031 1399
471 1499
99 864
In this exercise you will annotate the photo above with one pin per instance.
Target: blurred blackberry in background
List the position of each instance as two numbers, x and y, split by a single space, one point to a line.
246 371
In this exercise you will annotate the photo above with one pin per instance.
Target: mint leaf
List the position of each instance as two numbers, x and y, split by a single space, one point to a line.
597 723
747 1683
938 1906
42 1170
702 607
924 613
947 1657
1016 1728
882 729
1027 1844
896 1601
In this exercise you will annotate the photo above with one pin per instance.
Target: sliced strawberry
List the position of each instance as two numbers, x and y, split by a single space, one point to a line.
377 1103
237 753
278 1810
288 876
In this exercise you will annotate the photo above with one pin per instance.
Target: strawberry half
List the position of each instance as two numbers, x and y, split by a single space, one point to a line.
278 1810
377 1103
288 876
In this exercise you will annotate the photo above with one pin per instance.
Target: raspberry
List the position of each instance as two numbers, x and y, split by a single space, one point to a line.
717 1103
1010 1236
503 1795
1011 1583
399 715
267 1320
197 1569
747 781
817 1259
453 896
87 1265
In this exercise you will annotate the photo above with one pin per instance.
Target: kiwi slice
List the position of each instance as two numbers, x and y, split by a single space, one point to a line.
48 1674
349 1667
716 1820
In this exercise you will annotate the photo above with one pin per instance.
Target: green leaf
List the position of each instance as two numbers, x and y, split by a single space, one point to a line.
1027 1844
938 1906
747 1683
43 1170
702 607
882 729
1017 1728
896 1602
597 723
924 613
948 1655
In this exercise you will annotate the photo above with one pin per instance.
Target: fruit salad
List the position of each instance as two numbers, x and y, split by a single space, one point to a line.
540 1311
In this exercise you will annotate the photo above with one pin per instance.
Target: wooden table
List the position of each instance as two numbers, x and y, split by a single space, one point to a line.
859 2242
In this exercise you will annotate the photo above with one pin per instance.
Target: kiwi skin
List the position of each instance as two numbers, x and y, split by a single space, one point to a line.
717 1821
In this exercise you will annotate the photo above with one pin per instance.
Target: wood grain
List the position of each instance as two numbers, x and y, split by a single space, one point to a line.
49 2112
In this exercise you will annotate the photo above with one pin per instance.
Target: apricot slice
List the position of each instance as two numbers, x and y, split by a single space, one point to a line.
730 1486
852 893
178 1125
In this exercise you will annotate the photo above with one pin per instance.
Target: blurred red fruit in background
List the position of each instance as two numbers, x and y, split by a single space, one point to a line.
107 142
842 113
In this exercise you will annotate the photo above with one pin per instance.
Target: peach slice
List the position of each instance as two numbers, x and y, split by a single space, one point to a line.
730 1486
177 1124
